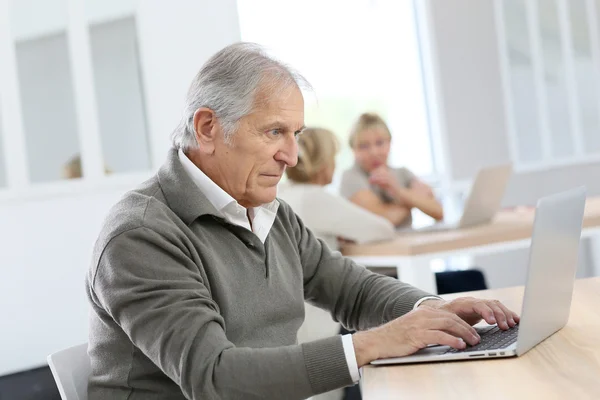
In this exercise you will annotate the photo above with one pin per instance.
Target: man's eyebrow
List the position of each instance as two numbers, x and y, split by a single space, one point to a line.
281 124
273 124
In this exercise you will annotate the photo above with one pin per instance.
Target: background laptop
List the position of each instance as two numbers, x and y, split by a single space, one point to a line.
484 200
548 291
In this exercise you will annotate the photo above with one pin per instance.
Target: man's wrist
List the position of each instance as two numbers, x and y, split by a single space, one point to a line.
364 347
431 303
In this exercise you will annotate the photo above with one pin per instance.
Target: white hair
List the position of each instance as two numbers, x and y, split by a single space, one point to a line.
228 84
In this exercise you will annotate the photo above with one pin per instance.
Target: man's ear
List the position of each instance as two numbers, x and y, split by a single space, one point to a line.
206 127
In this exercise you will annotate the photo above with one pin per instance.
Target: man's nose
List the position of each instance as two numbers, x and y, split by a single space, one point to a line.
288 153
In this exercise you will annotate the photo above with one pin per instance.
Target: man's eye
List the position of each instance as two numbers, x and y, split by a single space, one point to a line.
275 132
297 134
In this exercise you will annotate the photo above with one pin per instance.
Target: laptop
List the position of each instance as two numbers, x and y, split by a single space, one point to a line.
483 202
549 287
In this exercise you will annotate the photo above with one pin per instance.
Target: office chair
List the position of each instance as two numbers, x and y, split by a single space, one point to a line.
71 369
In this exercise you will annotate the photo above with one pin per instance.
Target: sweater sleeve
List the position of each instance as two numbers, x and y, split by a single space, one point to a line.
358 298
155 293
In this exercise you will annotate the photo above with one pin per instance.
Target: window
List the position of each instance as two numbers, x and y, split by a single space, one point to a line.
80 90
360 56
551 54
586 60
47 104
554 77
119 97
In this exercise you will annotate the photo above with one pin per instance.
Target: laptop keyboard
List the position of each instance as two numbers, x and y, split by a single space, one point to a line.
491 338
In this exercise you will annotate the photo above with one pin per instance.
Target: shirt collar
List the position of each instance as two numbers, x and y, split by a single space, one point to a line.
262 217
213 192
182 195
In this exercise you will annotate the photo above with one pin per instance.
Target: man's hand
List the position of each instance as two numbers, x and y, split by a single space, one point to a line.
433 322
411 332
473 310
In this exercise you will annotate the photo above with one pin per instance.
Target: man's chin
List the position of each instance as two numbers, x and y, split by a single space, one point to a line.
265 197
269 199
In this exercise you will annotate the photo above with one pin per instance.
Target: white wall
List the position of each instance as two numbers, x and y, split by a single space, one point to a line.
467 84
175 40
45 242
45 248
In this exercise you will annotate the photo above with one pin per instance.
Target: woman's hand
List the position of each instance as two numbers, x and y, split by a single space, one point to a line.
383 178
343 241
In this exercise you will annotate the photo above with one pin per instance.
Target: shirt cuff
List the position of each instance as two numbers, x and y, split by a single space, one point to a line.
418 303
350 357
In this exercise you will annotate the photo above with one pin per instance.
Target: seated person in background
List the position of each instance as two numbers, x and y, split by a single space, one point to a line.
329 216
372 184
72 169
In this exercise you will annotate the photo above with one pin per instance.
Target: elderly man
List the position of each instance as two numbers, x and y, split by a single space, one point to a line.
199 275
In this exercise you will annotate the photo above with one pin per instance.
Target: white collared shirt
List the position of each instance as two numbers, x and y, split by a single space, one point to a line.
262 221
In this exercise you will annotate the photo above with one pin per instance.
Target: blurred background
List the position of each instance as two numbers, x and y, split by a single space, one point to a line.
90 91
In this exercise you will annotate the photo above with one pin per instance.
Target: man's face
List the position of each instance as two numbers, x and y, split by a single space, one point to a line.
251 166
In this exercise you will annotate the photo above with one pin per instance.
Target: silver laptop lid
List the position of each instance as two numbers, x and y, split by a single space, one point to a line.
485 197
553 259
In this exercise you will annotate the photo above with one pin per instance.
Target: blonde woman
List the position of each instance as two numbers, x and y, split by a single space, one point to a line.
329 216
389 192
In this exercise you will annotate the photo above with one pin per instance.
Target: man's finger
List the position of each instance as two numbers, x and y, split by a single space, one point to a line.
501 318
510 319
481 308
516 317
443 338
456 327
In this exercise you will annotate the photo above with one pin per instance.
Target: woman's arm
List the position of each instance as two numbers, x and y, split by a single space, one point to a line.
420 195
394 213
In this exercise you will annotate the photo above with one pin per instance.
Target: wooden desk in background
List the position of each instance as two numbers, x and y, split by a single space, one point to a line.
412 252
565 366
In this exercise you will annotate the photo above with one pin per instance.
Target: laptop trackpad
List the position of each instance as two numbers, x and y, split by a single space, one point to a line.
432 350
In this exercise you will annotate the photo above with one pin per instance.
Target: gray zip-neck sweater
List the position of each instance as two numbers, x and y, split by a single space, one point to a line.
186 305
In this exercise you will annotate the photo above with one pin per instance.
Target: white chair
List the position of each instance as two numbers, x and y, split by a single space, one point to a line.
71 369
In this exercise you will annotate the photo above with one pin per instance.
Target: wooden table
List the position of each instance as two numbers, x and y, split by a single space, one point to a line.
565 366
412 252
